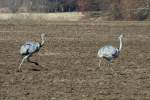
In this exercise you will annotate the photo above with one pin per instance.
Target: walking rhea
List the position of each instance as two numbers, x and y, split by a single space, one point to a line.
109 52
30 48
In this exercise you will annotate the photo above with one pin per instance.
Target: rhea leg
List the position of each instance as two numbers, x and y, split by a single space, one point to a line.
110 64
100 61
25 57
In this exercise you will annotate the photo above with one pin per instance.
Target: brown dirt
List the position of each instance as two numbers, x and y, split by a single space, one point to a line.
69 66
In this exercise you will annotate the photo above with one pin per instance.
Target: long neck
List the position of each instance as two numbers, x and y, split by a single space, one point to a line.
42 40
120 47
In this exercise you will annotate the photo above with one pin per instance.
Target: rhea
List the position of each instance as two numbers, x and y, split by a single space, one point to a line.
109 52
29 48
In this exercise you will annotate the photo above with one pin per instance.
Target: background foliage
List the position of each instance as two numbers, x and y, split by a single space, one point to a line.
117 9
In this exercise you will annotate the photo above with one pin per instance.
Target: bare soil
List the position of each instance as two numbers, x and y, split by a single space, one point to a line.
69 65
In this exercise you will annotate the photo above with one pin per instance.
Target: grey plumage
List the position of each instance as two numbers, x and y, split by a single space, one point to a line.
30 48
109 52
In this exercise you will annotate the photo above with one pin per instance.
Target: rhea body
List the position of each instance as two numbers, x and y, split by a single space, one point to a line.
29 48
109 52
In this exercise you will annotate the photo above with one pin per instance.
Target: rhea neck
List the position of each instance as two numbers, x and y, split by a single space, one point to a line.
42 40
120 46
